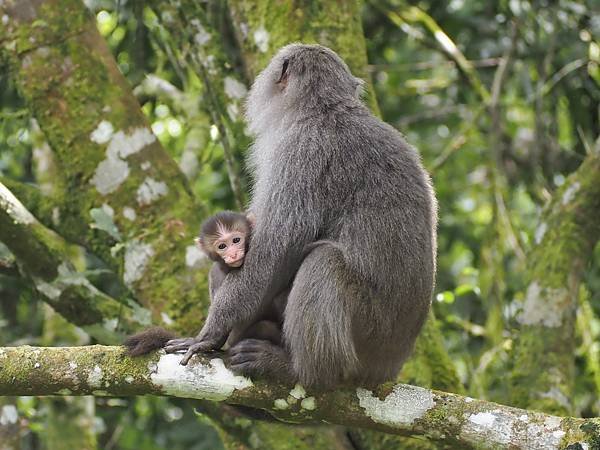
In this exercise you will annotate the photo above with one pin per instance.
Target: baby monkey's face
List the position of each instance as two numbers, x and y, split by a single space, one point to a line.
225 236
231 247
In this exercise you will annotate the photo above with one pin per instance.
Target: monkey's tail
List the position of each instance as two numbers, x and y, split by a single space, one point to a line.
147 341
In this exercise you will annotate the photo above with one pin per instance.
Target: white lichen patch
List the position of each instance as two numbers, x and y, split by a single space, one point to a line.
102 133
501 429
298 392
146 165
196 380
194 257
400 408
201 37
37 365
570 192
280 403
129 379
309 403
94 378
8 415
234 89
137 256
108 210
188 163
14 208
544 306
110 174
546 435
558 434
124 145
151 190
484 419
72 365
490 427
468 399
261 39
129 213
540 232
165 318
114 170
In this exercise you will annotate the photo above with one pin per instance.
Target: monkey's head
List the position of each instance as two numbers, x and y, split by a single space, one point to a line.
225 237
300 78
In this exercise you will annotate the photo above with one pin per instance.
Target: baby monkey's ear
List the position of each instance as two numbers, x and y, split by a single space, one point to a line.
251 220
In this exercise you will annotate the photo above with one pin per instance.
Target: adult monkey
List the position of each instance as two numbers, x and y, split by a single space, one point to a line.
346 215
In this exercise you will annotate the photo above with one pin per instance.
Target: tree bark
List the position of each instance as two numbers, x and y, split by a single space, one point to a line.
564 241
400 409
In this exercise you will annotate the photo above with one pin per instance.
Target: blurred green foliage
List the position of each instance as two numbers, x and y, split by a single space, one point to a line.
493 169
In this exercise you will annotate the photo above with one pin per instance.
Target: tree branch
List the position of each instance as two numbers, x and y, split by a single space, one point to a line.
108 157
42 255
564 241
396 409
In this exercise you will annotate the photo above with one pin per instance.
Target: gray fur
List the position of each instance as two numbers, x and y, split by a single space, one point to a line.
325 169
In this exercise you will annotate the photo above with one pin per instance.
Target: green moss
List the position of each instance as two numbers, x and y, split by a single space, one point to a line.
591 430
556 266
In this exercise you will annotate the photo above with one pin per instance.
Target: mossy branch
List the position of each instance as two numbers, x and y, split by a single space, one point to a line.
396 409
564 241
108 158
43 257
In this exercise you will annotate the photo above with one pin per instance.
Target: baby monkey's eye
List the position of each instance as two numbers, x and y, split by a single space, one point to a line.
222 247
236 240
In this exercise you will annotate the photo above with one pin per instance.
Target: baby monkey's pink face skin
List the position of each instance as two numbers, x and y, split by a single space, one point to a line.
231 247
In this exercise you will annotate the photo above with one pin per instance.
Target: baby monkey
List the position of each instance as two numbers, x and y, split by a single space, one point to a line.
225 239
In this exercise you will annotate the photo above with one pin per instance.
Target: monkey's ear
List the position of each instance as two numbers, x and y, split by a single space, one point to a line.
251 220
284 73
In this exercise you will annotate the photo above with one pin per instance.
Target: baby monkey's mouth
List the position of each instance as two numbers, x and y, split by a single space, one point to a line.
235 263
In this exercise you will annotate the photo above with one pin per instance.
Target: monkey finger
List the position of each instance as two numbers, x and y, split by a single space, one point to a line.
198 347
180 346
179 341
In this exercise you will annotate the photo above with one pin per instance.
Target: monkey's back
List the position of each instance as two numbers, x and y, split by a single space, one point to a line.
386 222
